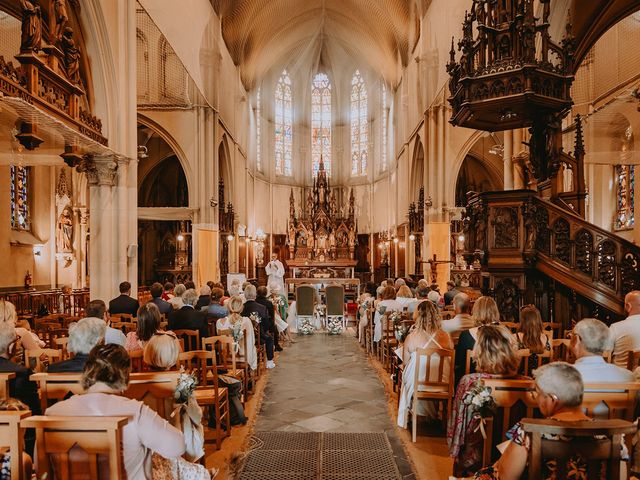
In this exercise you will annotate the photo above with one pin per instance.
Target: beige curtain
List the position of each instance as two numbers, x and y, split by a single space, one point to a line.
207 266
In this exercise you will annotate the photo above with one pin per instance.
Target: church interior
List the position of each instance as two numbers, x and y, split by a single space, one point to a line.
319 239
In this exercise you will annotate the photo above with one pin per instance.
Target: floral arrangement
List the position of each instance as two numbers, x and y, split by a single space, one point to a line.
365 305
278 301
255 318
238 333
400 331
334 325
320 308
480 401
395 317
305 327
187 383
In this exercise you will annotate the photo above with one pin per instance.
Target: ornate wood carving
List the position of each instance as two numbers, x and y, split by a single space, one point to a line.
562 241
505 227
508 296
630 272
584 252
606 253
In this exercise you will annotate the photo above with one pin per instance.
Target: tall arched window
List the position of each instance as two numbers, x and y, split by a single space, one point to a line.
321 123
359 125
259 129
284 125
384 127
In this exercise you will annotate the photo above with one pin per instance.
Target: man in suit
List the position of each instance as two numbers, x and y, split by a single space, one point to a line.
451 292
83 336
156 294
262 299
204 299
188 318
251 306
20 387
98 309
124 303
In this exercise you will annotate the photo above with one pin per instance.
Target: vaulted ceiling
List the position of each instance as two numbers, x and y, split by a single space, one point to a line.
262 34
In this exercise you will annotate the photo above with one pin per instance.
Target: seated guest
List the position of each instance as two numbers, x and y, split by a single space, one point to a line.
20 387
224 326
105 377
463 320
221 287
398 283
98 309
167 293
261 298
450 294
495 357
124 303
589 340
404 297
435 298
368 296
161 354
176 300
190 285
558 392
156 294
386 304
188 318
485 312
148 325
266 335
83 336
205 298
215 309
427 333
531 335
422 293
626 333
28 339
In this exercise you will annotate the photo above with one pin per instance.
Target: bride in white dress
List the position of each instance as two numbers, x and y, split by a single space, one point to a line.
225 326
427 333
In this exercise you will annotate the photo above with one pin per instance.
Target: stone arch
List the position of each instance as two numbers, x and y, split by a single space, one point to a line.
417 168
224 166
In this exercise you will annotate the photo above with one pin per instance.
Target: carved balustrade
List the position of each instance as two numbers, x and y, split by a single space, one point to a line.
518 231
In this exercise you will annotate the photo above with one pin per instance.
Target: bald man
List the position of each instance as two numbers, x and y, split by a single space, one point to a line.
626 333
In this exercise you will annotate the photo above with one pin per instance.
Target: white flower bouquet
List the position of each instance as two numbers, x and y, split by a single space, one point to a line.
334 325
238 334
400 331
395 317
187 383
278 301
480 401
305 327
365 305
255 318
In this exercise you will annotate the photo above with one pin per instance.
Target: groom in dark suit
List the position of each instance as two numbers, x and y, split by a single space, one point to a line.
124 303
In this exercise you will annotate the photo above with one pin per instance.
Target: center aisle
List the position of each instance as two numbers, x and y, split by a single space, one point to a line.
324 403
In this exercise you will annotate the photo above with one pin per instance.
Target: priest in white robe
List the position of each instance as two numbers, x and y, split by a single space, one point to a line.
275 271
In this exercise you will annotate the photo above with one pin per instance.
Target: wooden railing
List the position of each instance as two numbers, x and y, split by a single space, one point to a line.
517 230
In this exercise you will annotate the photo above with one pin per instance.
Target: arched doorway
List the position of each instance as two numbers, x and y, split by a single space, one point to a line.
164 236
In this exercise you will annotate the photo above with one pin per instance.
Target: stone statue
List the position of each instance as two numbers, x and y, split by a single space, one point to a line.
64 231
31 27
71 56
332 240
292 236
352 238
61 18
333 206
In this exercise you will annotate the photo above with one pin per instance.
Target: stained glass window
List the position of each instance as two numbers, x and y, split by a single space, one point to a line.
359 125
284 125
384 133
321 123
20 219
625 186
258 131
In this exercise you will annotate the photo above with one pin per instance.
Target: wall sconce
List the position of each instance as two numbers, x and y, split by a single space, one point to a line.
37 250
143 152
230 237
395 240
461 237
412 237
180 237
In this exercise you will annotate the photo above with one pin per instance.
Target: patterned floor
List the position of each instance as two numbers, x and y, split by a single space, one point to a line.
325 384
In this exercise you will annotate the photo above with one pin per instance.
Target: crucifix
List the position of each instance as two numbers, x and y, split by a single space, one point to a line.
433 266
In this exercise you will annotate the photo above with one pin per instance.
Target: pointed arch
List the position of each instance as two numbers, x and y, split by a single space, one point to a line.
284 125
321 122
359 125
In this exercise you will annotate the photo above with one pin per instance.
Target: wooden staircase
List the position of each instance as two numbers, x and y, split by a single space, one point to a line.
534 251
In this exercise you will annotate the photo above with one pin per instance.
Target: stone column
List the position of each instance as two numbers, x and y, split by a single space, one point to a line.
83 215
507 158
108 224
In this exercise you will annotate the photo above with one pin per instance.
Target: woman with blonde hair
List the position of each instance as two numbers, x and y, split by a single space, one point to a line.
28 339
387 303
495 357
485 312
426 333
226 326
531 335
405 298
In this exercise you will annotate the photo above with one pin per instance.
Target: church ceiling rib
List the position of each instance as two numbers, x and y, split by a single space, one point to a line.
259 32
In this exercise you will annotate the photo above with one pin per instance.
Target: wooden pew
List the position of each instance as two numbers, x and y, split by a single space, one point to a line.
12 438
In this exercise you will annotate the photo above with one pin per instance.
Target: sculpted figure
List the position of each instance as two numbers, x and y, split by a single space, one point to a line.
31 38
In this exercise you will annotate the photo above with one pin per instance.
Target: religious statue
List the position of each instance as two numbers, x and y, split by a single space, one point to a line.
352 238
332 240
275 272
64 232
31 27
332 204
292 235
71 56
61 18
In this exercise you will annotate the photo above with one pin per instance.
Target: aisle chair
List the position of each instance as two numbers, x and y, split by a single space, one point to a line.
335 303
305 303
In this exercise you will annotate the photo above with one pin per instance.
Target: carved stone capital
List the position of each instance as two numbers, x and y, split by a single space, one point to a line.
100 169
